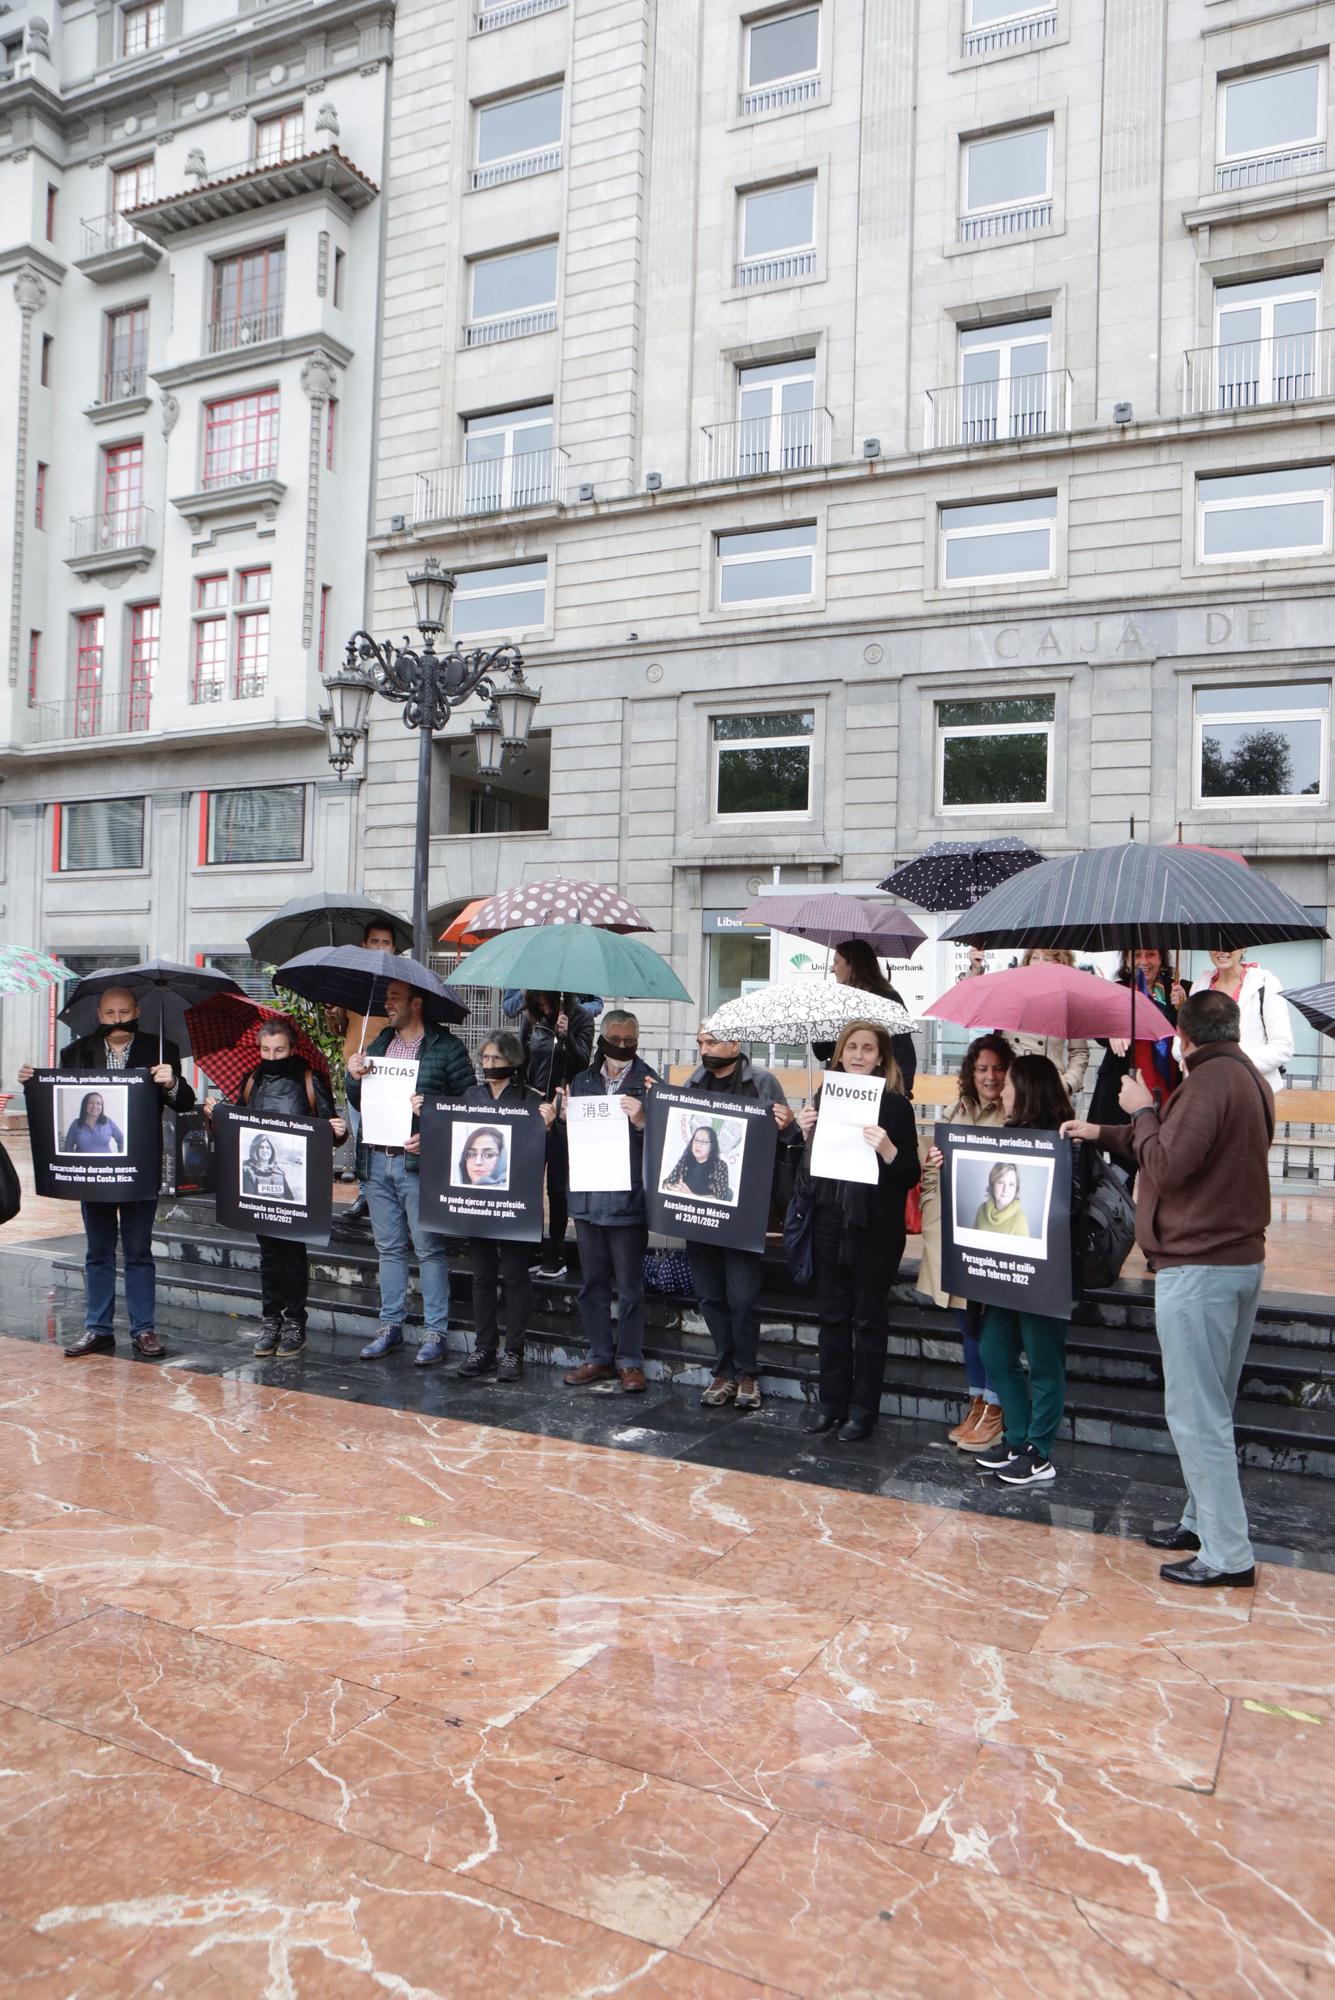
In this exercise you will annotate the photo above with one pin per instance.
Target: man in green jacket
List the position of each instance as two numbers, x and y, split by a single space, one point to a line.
389 1174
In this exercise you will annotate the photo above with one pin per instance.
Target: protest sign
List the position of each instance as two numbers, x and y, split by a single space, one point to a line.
1006 1217
274 1174
388 1089
847 1104
709 1166
95 1134
482 1168
187 1153
599 1131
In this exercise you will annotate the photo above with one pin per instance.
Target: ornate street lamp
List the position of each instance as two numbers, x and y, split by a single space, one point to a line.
429 686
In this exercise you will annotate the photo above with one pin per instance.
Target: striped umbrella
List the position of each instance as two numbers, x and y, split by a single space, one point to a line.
953 874
1316 1004
25 971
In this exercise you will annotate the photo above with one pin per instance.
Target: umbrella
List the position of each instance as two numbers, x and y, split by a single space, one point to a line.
1316 1004
953 874
575 958
163 990
25 971
831 919
558 902
224 1038
1050 1000
309 921
347 975
461 931
805 1009
1224 853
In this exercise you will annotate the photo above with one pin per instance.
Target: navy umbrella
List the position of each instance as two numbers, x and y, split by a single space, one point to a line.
1316 1004
347 975
953 874
164 990
308 921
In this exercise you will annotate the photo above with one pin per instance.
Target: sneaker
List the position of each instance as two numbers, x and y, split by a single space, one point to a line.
511 1368
482 1361
293 1340
549 1268
271 1332
430 1351
388 1337
1001 1454
987 1432
721 1391
748 1393
1027 1468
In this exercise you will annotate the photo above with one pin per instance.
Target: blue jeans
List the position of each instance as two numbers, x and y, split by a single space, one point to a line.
1203 1314
99 1265
393 1198
970 1323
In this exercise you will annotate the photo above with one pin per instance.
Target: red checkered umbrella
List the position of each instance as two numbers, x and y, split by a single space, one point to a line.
224 1039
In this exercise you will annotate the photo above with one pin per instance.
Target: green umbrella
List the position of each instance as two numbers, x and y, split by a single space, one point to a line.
572 958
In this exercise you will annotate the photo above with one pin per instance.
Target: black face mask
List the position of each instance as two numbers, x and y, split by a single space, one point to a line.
492 1072
607 1053
106 1029
275 1062
719 1063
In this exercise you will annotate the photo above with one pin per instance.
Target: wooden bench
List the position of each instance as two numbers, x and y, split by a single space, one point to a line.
1304 1134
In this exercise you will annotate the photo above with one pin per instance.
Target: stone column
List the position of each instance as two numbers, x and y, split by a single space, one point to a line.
319 379
30 296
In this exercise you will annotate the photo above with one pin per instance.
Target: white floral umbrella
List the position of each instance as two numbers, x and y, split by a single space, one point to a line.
805 1009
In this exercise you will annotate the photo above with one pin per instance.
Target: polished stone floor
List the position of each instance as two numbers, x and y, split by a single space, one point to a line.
316 1698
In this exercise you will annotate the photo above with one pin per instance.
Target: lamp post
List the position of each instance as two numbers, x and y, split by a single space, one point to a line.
429 686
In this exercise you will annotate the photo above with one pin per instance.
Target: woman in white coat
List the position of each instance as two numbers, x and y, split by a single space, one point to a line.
1267 1030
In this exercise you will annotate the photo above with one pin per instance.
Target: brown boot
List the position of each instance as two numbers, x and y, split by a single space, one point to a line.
590 1371
971 1416
986 1431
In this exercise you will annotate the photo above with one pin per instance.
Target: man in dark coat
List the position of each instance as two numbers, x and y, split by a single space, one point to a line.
558 1043
117 1042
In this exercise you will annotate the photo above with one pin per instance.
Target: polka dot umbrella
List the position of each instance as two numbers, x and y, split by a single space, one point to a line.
558 901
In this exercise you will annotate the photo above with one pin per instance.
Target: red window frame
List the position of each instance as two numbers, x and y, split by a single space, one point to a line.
325 590
134 184
208 680
44 371
123 485
211 591
240 438
143 28
329 429
249 284
254 586
52 193
34 665
280 136
145 648
89 652
126 347
252 653
39 496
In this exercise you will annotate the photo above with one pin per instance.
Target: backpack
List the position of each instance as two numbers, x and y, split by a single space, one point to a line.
1103 1225
11 1195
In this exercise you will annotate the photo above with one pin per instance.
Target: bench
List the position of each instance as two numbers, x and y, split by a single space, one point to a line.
1304 1134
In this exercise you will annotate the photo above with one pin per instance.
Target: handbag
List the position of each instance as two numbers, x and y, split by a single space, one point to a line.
797 1232
1103 1224
913 1212
668 1272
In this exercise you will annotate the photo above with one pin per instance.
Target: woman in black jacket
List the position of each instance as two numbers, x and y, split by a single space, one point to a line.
494 1260
1150 971
857 1242
558 1044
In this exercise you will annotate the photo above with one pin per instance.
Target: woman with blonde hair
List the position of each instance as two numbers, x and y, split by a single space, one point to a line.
1070 1057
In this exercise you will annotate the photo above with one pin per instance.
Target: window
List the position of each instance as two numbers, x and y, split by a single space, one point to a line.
280 137
145 641
782 60
325 591
777 417
123 494
1264 514
1006 24
100 834
125 357
330 426
210 593
1262 742
998 540
519 136
1272 126
253 589
241 439
253 826
34 665
762 764
143 28
340 265
488 814
1265 338
507 600
133 185
778 234
767 565
509 459
996 752
1004 381
1006 183
89 631
247 298
208 681
514 293
50 213
39 496
44 369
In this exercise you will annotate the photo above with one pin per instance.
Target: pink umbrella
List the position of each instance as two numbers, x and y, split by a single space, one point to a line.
1051 1000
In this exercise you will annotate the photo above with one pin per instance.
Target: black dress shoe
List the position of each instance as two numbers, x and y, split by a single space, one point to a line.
855 1430
821 1420
91 1343
148 1345
1202 1577
1172 1538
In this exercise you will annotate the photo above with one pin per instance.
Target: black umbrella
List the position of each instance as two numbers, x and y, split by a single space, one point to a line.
953 874
163 990
308 921
347 975
1316 1004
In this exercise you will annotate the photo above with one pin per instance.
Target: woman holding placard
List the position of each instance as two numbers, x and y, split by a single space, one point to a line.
858 1240
498 1261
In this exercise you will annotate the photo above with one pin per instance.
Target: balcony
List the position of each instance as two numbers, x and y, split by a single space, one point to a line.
491 486
793 441
780 269
114 248
1017 33
1267 167
998 412
221 336
223 193
123 392
780 96
1248 374
509 326
1015 221
507 12
499 173
232 490
90 715
111 545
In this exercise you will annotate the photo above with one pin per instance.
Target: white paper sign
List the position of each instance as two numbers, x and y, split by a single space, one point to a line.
838 1150
599 1145
388 1089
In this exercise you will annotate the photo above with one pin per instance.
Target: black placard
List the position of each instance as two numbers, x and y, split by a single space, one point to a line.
482 1168
715 1189
187 1153
274 1174
1006 1217
85 1152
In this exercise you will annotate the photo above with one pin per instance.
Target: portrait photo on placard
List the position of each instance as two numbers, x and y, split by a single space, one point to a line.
1002 1202
702 1156
479 1155
273 1165
91 1121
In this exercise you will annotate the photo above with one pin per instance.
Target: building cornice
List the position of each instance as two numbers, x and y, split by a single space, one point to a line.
21 254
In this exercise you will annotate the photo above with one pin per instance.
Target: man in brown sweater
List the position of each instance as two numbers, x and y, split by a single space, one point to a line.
1202 1206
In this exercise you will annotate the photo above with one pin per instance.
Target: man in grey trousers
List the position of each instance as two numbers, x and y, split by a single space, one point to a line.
1202 1207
